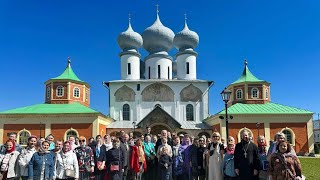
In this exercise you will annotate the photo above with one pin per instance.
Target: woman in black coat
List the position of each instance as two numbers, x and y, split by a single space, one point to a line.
115 161
99 159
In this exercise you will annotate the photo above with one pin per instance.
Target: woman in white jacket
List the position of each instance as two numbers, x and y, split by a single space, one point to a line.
67 164
9 165
25 157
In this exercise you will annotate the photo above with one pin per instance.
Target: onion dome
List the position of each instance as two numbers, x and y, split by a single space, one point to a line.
186 39
157 37
129 39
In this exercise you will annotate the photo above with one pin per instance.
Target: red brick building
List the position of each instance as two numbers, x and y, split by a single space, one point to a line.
66 112
251 108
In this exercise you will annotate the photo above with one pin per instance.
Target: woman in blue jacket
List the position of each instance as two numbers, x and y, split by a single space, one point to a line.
41 165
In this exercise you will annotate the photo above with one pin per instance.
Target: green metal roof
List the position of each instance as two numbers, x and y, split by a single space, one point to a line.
247 76
73 108
268 108
68 74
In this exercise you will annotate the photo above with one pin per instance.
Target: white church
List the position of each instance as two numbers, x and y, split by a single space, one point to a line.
160 91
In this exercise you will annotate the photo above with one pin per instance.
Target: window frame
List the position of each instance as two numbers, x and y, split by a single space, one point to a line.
62 91
189 112
48 92
241 94
126 112
293 136
19 137
252 94
74 92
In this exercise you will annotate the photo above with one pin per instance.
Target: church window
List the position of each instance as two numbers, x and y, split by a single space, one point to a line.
76 92
87 95
48 92
129 68
23 136
149 72
159 73
189 112
188 68
168 72
60 91
239 94
126 112
288 135
71 132
267 93
138 87
254 93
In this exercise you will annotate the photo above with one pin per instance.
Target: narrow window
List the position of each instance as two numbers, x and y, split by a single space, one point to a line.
188 66
239 94
159 73
129 68
76 92
189 112
138 87
48 92
60 91
267 93
168 72
126 112
149 73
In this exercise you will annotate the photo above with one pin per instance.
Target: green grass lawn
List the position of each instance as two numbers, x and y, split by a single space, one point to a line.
310 168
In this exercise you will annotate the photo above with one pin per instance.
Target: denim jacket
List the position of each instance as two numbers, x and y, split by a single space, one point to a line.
36 165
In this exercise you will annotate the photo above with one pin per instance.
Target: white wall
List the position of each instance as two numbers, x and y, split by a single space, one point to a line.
153 64
135 66
182 61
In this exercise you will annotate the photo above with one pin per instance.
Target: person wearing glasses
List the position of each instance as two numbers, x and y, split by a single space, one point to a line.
200 159
85 159
215 154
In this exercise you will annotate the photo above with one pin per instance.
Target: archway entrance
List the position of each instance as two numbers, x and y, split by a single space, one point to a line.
156 129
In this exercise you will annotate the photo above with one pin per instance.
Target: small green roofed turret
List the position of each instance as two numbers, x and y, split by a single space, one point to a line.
68 74
247 76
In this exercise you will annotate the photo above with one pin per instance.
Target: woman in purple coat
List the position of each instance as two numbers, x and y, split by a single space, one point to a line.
185 148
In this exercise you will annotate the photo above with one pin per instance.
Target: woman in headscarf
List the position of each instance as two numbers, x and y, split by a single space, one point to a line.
85 160
283 164
215 158
67 164
41 165
228 160
26 155
262 153
8 166
115 161
185 148
99 159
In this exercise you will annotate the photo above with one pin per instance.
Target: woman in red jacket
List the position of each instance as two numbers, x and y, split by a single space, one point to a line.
138 160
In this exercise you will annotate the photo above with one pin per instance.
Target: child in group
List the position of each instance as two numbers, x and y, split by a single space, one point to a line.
165 162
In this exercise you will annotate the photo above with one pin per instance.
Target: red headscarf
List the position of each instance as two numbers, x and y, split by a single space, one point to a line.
13 146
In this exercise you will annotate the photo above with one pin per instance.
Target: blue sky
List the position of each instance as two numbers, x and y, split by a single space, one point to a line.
280 39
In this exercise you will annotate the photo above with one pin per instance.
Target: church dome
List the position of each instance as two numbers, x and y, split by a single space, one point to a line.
157 37
186 39
129 39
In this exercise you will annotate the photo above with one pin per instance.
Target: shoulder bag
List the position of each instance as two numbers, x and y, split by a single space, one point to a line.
68 172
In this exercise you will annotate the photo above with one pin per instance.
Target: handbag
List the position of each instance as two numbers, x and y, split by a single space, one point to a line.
114 166
70 173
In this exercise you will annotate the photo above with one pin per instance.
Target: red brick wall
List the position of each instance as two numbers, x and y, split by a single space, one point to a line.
102 129
234 129
33 128
299 129
251 86
216 128
55 85
58 130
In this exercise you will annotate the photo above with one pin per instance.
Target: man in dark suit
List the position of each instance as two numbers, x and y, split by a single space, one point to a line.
125 148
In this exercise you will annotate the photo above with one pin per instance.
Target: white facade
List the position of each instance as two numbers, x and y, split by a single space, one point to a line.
177 108
158 67
187 66
130 66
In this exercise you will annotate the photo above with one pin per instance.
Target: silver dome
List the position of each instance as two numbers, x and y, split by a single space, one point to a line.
157 37
186 39
129 39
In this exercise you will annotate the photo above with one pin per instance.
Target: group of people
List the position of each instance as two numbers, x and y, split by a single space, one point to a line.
149 157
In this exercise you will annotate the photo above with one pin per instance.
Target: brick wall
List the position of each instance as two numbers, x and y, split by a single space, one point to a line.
33 128
299 129
234 129
58 130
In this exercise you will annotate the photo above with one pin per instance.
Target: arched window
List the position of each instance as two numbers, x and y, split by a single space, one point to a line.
289 135
239 93
243 129
126 112
71 132
76 92
23 136
254 93
48 92
189 112
60 91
